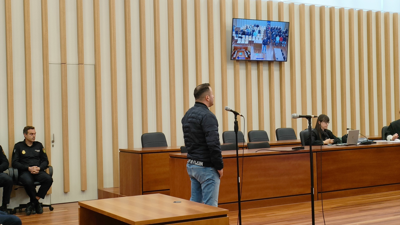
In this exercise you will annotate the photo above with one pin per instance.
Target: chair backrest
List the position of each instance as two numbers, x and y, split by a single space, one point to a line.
285 134
155 139
183 149
304 137
253 145
258 135
230 146
230 137
384 129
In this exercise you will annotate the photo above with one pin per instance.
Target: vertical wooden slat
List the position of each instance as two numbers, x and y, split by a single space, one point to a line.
114 93
343 70
332 23
352 65
10 82
197 22
82 102
249 105
236 67
388 82
270 10
64 95
282 74
99 112
303 61
370 75
157 56
292 55
143 64
223 64
324 96
313 64
361 70
171 54
379 75
28 61
260 78
211 67
396 64
128 59
185 56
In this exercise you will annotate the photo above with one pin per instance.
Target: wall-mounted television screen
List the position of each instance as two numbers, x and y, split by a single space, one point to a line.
259 40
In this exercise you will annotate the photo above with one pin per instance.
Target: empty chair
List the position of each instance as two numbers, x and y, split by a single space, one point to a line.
229 146
183 149
262 144
384 129
304 137
258 135
229 137
285 134
155 139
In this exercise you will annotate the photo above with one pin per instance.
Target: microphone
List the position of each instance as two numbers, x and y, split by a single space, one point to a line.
234 112
365 142
295 116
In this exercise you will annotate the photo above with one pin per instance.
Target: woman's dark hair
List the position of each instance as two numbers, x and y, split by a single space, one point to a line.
321 118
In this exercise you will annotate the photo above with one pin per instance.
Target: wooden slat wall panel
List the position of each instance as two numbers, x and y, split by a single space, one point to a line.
223 64
303 62
64 96
388 82
352 65
396 64
313 51
282 74
211 67
114 94
361 70
129 86
198 41
99 113
157 55
10 80
82 111
379 73
324 97
343 81
370 75
332 23
143 65
171 50
260 78
292 55
236 67
249 102
185 56
270 10
28 62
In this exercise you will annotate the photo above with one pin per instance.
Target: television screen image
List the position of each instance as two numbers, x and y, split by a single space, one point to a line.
259 40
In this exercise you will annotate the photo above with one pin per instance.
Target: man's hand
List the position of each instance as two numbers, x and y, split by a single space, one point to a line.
395 136
328 141
34 169
221 173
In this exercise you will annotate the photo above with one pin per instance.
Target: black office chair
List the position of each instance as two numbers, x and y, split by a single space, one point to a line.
285 134
183 149
230 146
262 144
230 137
304 137
19 185
155 139
384 129
258 135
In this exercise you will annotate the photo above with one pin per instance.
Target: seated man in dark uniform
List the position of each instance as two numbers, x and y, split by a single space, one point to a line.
30 159
393 131
5 180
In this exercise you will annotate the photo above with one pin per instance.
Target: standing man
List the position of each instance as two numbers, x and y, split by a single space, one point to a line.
200 130
30 159
5 180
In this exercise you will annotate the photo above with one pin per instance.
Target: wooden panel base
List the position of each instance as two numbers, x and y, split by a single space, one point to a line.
359 191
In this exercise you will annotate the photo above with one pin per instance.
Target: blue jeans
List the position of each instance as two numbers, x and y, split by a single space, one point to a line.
6 219
205 184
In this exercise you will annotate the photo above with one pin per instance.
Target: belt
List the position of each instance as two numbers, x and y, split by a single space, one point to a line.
200 163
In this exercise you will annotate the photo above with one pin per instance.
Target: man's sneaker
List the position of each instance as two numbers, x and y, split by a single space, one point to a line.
30 209
38 208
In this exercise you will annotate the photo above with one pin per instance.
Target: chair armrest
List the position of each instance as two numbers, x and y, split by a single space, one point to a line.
51 171
15 175
11 172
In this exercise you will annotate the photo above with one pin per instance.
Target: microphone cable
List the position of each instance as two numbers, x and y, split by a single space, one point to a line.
320 175
241 177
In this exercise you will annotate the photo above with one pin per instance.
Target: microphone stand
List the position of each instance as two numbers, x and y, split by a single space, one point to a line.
236 127
312 172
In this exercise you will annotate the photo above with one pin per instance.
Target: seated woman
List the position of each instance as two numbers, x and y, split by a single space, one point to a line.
320 135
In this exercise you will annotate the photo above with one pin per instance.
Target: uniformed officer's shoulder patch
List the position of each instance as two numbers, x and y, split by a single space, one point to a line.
23 152
44 150
15 150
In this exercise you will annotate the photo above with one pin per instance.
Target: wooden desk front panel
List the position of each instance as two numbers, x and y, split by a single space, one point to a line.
130 167
155 171
361 167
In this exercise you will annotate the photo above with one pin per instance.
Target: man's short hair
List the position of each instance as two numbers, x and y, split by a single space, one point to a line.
200 90
28 128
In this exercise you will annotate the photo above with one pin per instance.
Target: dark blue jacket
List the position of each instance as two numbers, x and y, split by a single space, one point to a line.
200 132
